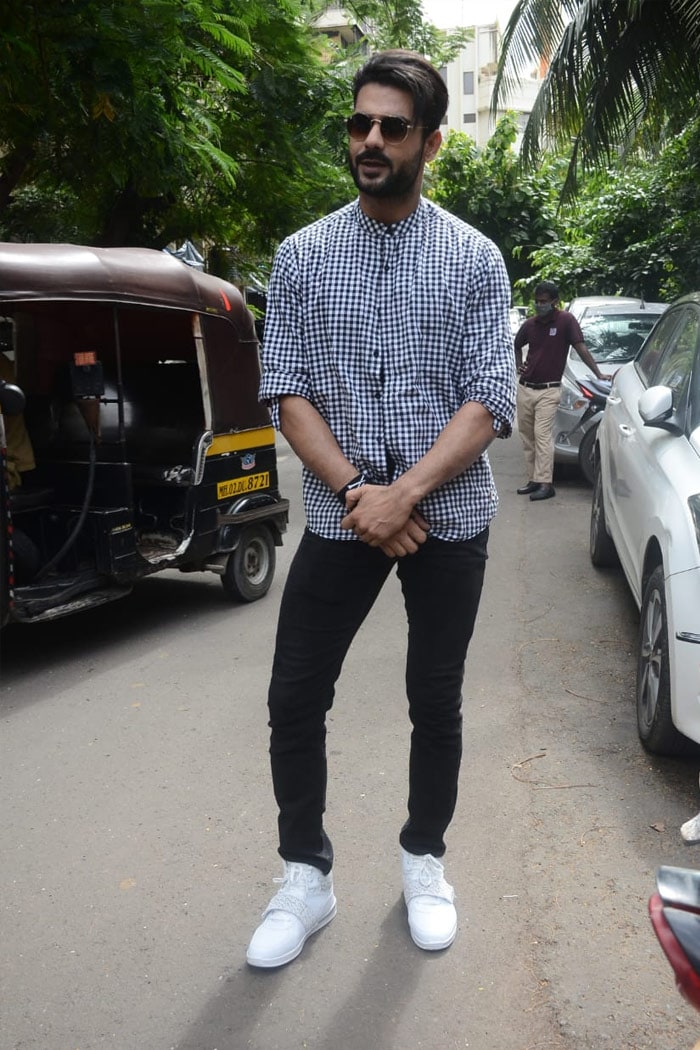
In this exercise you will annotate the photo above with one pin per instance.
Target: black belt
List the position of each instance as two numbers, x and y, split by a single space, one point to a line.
538 386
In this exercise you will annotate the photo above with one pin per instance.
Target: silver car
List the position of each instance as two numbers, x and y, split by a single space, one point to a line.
614 330
646 511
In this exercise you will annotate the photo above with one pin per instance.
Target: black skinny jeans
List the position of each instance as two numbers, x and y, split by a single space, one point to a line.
330 589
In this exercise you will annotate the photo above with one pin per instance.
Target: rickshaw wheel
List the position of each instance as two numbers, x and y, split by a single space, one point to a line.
251 566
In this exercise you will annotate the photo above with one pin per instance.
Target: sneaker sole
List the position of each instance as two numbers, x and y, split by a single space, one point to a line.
281 960
434 946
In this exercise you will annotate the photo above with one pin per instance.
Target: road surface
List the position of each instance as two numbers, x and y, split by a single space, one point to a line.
138 827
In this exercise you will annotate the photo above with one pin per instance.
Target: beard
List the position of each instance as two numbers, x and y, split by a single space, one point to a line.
395 182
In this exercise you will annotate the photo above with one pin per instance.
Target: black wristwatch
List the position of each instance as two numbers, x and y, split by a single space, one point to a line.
355 483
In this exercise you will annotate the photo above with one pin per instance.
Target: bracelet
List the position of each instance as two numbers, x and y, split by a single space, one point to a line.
355 483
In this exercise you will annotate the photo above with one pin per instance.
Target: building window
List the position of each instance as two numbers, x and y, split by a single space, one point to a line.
469 118
468 83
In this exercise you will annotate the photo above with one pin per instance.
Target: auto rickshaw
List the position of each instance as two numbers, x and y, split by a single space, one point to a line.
137 377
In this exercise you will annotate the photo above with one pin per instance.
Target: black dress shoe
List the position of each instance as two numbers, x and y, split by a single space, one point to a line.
531 486
543 492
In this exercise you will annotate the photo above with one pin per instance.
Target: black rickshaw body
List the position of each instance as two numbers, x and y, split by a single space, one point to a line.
140 379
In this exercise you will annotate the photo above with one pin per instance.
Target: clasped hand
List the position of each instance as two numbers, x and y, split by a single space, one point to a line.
381 517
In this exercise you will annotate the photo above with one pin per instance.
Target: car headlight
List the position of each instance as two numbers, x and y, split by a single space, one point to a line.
571 396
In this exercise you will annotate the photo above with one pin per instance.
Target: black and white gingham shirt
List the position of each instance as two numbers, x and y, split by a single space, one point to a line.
388 331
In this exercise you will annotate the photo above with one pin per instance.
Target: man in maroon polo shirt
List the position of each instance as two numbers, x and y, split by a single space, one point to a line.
548 336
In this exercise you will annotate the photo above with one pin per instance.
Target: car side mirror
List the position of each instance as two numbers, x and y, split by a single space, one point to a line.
656 409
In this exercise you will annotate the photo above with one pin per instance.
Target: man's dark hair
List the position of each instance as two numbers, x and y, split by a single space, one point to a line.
408 71
547 288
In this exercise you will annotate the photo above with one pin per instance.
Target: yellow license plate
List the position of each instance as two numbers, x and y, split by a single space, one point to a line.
239 486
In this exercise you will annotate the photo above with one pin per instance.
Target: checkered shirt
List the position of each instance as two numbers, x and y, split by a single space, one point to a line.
388 331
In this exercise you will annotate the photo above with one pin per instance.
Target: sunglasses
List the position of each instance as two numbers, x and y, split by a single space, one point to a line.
394 130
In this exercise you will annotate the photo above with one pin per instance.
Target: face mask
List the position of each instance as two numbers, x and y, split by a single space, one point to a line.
542 309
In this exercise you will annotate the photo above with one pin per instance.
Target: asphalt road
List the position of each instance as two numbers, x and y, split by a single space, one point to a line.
137 830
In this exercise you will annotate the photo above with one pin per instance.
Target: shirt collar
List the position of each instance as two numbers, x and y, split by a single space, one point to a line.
383 229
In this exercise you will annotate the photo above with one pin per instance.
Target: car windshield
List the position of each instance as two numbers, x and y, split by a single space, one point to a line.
616 337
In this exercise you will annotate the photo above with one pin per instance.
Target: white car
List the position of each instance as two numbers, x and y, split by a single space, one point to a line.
585 305
517 315
646 512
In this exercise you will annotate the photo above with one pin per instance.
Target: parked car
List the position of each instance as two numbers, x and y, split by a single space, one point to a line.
517 316
646 512
614 330
584 305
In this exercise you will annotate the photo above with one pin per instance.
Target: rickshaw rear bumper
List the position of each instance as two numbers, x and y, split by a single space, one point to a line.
273 511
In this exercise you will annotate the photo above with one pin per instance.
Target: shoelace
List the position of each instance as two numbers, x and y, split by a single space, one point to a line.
426 876
430 873
292 875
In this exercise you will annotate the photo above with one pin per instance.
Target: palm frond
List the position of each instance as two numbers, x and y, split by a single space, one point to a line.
613 66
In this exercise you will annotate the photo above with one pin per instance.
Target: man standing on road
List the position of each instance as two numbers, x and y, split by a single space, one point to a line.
548 336
388 367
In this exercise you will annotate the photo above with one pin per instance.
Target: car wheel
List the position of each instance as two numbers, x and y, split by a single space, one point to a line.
654 722
586 454
602 548
251 566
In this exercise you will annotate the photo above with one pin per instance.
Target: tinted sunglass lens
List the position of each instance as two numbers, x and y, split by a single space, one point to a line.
394 129
359 126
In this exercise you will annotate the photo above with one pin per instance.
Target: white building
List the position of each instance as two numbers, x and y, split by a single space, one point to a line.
470 80
335 23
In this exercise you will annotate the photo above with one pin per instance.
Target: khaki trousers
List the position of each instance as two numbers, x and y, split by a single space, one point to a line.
536 411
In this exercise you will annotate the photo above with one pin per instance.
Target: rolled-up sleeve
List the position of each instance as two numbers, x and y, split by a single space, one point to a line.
283 360
490 376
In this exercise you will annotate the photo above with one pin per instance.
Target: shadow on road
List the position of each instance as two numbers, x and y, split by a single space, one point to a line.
151 610
239 1014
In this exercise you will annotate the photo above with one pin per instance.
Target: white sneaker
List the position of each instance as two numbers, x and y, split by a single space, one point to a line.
304 904
432 918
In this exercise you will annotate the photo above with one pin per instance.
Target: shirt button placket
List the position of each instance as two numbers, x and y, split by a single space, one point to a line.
383 312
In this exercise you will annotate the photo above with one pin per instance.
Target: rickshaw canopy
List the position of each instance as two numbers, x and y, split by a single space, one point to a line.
121 275
34 276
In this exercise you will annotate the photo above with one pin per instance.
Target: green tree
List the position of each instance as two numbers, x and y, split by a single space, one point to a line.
634 228
400 23
486 188
145 121
621 73
101 100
